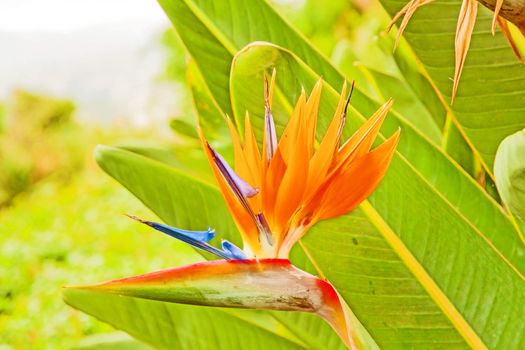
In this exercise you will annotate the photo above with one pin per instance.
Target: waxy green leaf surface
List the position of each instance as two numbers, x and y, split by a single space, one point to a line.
431 260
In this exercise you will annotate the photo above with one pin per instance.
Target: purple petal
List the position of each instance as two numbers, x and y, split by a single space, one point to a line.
236 183
270 136
242 190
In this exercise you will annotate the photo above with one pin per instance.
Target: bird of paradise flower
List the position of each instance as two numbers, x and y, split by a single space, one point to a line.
504 11
275 197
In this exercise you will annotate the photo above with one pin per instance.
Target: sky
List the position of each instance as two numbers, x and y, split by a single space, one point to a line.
64 16
104 54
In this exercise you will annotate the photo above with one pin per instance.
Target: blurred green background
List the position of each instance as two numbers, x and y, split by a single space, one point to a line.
82 84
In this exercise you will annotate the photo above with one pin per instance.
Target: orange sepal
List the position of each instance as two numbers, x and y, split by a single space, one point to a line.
251 151
324 155
361 141
242 218
355 183
294 181
286 142
312 108
242 167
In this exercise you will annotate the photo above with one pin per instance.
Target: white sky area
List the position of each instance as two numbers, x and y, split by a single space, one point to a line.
69 15
104 54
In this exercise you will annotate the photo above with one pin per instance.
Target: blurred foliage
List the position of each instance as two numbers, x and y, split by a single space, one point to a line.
175 70
2 117
39 140
61 232
176 58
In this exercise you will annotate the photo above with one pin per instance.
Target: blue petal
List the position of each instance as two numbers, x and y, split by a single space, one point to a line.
203 236
236 252
241 188
196 239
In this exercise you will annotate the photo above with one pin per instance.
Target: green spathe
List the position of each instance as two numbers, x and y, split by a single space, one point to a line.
268 284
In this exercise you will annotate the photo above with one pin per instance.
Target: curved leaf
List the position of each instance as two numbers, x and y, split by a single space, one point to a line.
177 326
413 228
509 170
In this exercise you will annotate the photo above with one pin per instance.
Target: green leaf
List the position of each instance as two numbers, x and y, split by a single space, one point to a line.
223 30
177 326
509 170
489 104
418 83
451 140
111 341
431 260
406 102
188 158
175 198
435 225
210 116
183 128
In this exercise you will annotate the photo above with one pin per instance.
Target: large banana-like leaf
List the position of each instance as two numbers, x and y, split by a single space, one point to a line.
175 326
490 101
223 28
442 218
431 261
389 214
414 90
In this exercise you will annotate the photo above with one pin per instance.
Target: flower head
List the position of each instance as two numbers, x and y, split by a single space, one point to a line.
276 195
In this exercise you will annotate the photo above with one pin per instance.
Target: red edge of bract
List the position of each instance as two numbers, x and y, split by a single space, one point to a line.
335 313
329 291
220 267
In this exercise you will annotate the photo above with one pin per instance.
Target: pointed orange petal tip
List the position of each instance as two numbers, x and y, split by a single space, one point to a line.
497 9
465 27
344 87
201 135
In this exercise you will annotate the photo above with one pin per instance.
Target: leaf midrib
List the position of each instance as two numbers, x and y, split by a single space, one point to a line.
402 251
411 262
433 188
426 281
470 145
